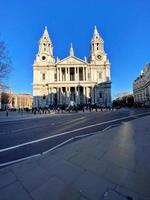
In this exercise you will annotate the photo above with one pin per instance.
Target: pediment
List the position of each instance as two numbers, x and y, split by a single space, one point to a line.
72 60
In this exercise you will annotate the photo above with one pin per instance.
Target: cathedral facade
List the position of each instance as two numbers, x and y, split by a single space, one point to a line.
83 81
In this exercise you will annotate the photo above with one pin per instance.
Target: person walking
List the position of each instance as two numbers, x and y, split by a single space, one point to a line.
6 112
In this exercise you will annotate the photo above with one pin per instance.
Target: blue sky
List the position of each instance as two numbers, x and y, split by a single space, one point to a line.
124 26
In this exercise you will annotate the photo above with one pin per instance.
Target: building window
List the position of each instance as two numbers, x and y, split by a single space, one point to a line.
55 77
100 95
89 76
43 76
97 46
107 78
100 75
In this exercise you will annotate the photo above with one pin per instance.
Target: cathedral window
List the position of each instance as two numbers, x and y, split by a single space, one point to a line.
43 57
43 76
97 46
100 75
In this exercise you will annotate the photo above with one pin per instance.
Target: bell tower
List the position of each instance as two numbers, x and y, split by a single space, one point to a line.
97 47
45 52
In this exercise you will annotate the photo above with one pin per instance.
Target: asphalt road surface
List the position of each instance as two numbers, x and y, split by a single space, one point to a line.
26 138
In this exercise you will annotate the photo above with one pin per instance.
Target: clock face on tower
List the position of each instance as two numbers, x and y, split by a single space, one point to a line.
43 58
98 57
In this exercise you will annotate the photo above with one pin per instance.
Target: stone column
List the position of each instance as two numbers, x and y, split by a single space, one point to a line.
65 74
52 96
61 95
86 74
92 94
68 73
83 75
77 73
69 94
65 95
57 74
84 95
60 74
58 95
76 95
67 78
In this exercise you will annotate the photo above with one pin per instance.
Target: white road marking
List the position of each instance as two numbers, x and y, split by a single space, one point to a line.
45 152
59 145
67 132
107 128
85 135
18 160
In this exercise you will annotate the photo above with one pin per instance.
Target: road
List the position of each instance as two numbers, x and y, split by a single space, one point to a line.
25 138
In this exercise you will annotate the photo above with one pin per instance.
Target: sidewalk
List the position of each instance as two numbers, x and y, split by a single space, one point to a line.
14 116
110 165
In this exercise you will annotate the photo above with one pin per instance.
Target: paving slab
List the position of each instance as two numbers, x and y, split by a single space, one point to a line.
31 178
68 173
14 191
138 183
115 174
6 179
92 186
55 189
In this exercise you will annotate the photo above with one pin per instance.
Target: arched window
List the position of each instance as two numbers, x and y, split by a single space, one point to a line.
97 46
93 46
43 76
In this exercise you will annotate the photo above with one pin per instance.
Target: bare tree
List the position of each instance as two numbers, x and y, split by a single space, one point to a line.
5 62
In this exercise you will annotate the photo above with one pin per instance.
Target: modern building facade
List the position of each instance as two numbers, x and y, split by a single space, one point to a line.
141 87
57 82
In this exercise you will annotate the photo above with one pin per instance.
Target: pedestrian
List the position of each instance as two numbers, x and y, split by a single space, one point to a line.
6 113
